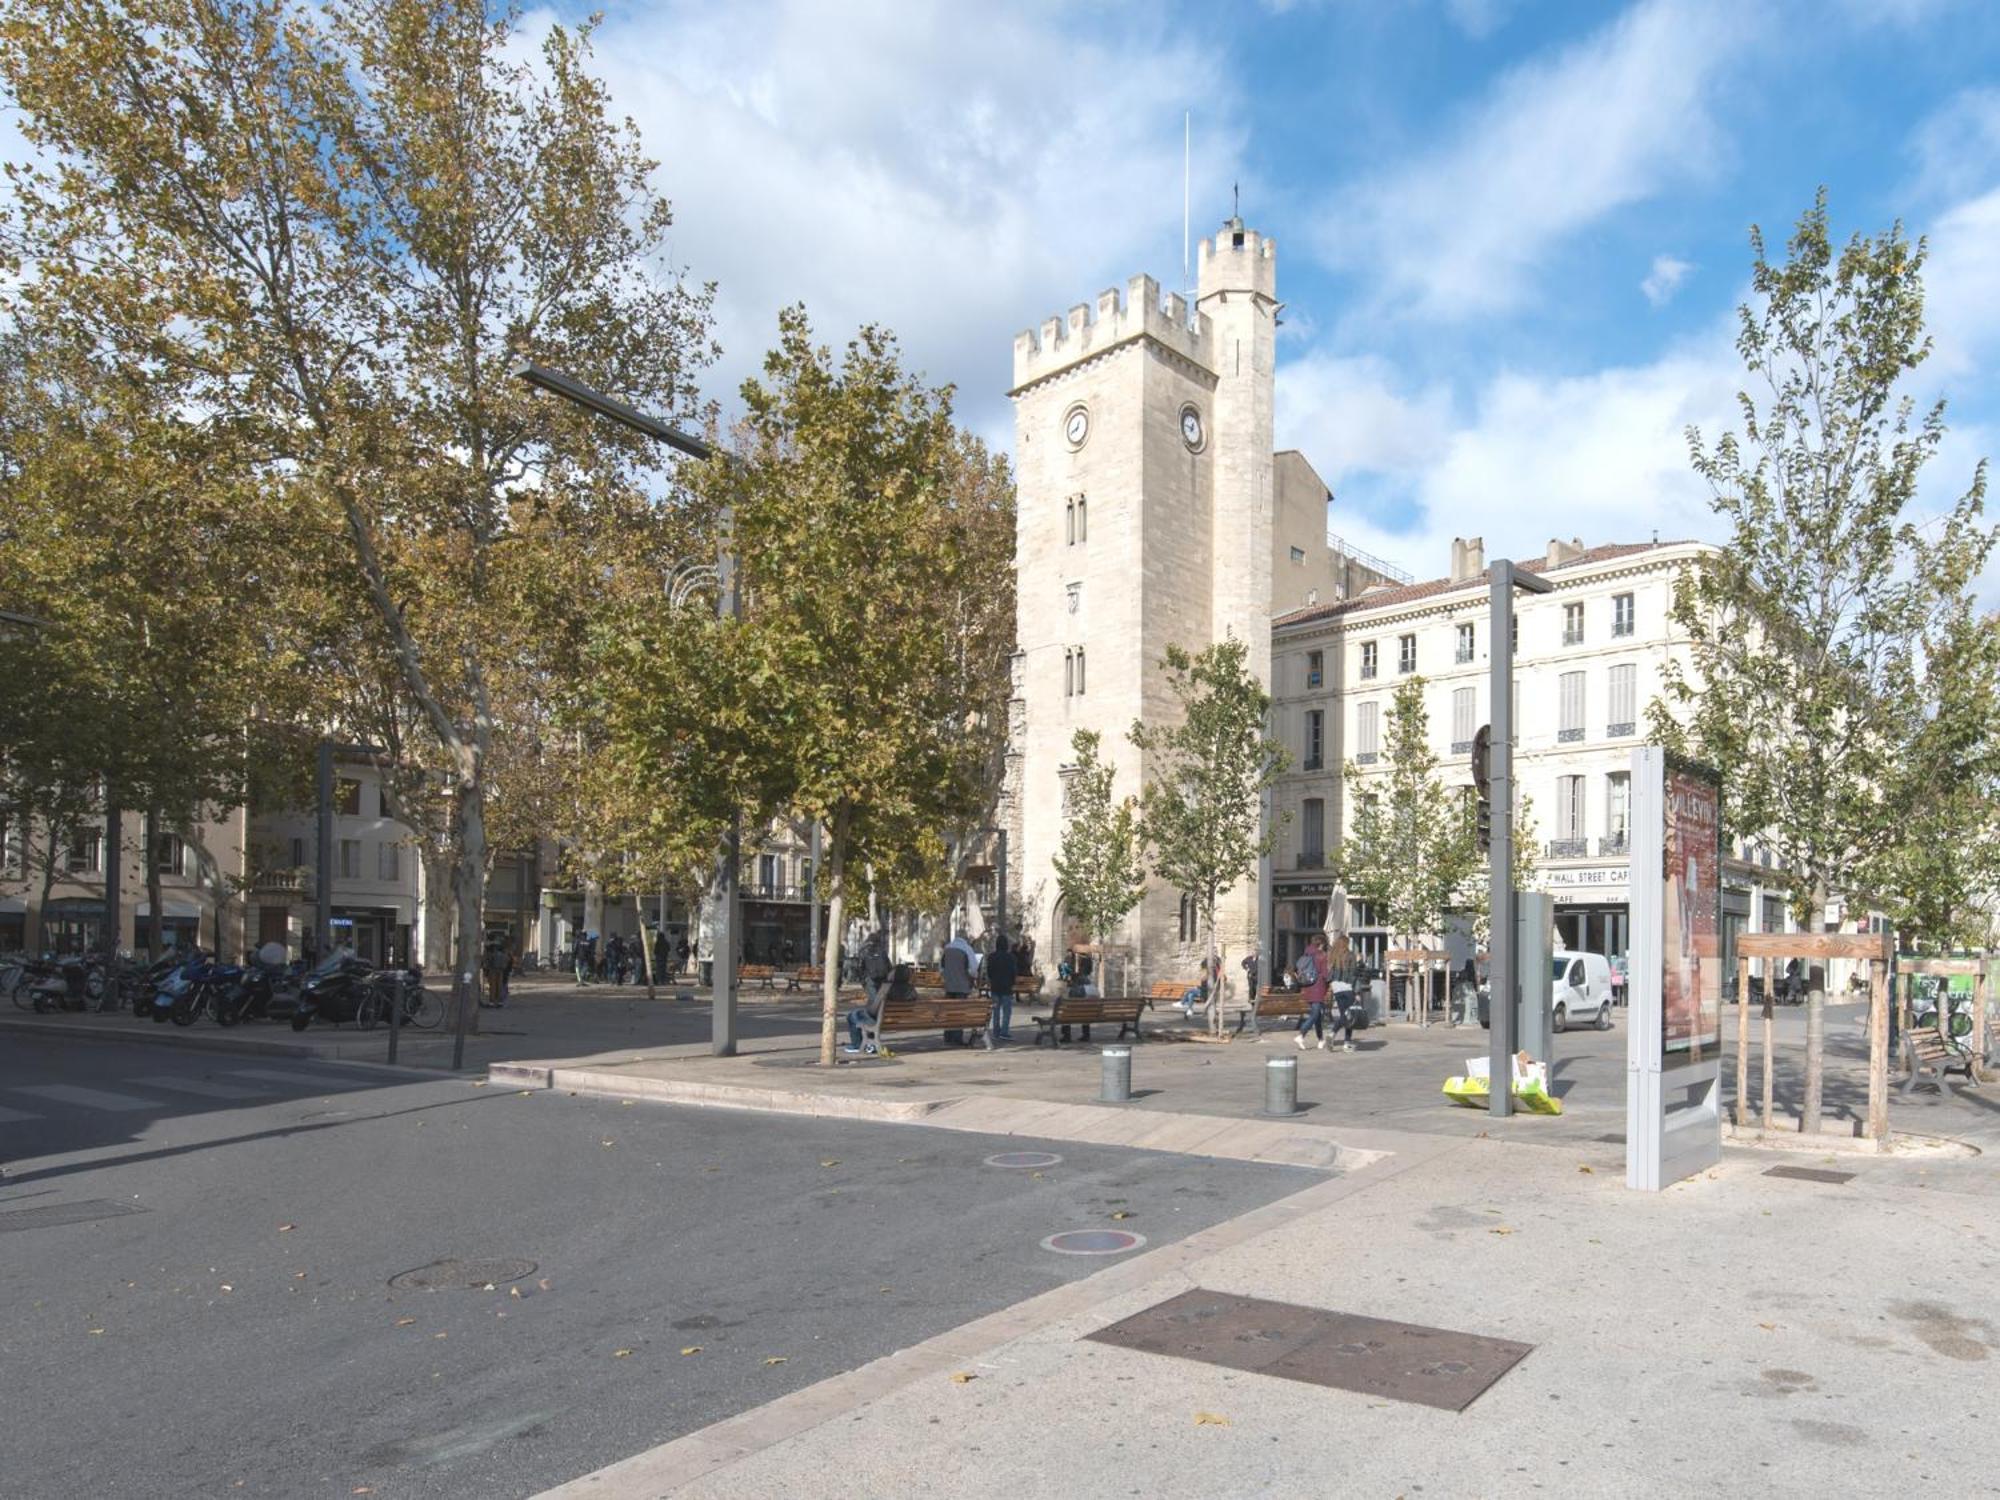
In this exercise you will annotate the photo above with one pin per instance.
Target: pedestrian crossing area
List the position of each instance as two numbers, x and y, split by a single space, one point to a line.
164 1093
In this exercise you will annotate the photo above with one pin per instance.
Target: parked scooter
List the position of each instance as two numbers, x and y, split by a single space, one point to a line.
178 988
57 984
246 997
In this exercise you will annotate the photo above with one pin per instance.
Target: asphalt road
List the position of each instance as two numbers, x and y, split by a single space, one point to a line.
222 1321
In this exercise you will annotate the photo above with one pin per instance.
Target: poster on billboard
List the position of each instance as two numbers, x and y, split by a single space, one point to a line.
1691 987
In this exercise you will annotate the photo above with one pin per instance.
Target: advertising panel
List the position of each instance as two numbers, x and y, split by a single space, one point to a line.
1691 988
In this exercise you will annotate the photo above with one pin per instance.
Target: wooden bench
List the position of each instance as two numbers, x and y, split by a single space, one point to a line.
1093 1010
1928 1052
1277 1004
762 974
806 977
928 1013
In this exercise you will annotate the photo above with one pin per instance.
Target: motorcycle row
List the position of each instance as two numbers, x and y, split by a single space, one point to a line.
183 987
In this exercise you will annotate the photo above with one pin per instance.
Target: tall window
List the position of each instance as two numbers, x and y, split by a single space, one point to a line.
1618 805
1571 693
1367 731
1312 831
298 854
1069 523
1315 738
1514 634
170 854
1315 669
85 854
1569 807
1623 713
1622 614
1572 624
1073 673
1190 920
767 872
1406 654
1082 519
1465 642
1079 671
389 862
1462 712
1367 659
350 859
347 796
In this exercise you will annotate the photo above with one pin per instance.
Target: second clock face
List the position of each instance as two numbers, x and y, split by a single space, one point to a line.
1076 426
1191 427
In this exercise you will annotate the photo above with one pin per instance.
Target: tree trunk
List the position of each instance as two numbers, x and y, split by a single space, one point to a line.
1815 1060
439 906
153 942
836 905
469 887
48 884
646 944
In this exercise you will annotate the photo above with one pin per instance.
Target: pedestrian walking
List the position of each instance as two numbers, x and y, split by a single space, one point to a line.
586 957
1311 969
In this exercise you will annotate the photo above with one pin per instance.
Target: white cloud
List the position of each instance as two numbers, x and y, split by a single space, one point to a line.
1478 19
955 175
1957 148
1602 456
1665 279
1962 287
1557 144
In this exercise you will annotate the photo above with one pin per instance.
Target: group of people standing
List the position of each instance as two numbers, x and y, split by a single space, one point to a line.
963 971
621 960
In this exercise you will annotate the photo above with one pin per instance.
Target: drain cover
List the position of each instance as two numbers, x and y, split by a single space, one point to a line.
1809 1174
442 1275
66 1213
1372 1356
1023 1159
1093 1242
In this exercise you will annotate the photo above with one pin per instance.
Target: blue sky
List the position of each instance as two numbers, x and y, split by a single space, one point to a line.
1511 235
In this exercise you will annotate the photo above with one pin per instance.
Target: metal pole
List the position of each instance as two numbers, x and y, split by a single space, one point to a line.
1500 780
722 994
114 884
323 853
1267 917
1000 880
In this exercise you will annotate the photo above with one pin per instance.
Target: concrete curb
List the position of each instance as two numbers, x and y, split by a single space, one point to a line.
207 1039
605 1083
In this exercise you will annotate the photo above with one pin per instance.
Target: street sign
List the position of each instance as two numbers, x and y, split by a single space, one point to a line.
1482 744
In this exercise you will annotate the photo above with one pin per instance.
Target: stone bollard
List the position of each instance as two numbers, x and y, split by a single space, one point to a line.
1116 1085
1281 1086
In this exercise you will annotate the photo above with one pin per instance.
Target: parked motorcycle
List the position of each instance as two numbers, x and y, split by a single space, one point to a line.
246 997
139 985
340 990
57 984
178 986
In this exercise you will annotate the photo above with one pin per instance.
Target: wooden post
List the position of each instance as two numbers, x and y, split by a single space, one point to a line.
1770 1027
1742 1042
1878 1056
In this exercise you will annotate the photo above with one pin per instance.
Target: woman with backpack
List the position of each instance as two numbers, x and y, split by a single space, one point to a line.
1312 971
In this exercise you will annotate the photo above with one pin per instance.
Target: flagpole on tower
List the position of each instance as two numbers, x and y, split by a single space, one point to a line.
1187 161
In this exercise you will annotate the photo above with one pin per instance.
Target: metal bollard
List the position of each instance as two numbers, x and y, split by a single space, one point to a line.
1281 1086
1116 1084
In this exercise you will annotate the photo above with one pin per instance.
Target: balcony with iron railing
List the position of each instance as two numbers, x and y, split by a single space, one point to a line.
1576 848
768 890
1614 843
1311 859
290 884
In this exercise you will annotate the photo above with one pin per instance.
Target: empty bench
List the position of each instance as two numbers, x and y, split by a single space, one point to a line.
971 1013
764 974
1090 1010
1928 1052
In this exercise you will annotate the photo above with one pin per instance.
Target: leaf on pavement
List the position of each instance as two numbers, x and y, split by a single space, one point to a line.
963 1377
1210 1419
690 1351
1121 1214
1768 1327
97 1330
404 1322
607 1141
1499 1229
543 1283
227 1287
286 1228
831 1162
776 1359
621 1353
1586 1171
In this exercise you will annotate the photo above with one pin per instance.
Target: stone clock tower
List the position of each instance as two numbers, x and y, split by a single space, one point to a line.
1143 445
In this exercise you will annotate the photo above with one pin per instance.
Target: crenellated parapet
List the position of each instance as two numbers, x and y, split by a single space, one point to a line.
1237 259
1086 331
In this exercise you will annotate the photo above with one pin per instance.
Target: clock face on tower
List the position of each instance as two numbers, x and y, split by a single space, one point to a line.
1076 426
1191 428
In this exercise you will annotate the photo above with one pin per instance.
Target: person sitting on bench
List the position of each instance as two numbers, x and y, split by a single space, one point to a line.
875 976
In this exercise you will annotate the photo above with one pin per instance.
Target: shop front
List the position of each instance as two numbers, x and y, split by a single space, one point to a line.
1593 907
1299 911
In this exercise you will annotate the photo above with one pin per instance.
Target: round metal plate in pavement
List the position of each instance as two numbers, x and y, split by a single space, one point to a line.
1022 1160
443 1275
1093 1242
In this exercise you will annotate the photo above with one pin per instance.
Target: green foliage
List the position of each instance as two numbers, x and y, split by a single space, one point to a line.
1207 774
865 684
1098 868
1812 630
1413 845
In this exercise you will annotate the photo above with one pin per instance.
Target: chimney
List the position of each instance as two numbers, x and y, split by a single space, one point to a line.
1561 551
1468 558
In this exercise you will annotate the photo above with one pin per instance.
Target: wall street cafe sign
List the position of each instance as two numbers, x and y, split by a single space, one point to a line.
1571 884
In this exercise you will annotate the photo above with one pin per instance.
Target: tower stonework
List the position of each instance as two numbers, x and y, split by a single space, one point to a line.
1143 451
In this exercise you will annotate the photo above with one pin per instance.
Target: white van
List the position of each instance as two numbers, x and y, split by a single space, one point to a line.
1582 990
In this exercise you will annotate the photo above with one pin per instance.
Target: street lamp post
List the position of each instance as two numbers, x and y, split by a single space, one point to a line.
722 1040
1502 981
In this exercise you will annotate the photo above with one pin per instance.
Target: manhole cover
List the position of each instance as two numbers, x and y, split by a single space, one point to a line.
1373 1356
66 1213
442 1275
1093 1242
1809 1174
1021 1160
